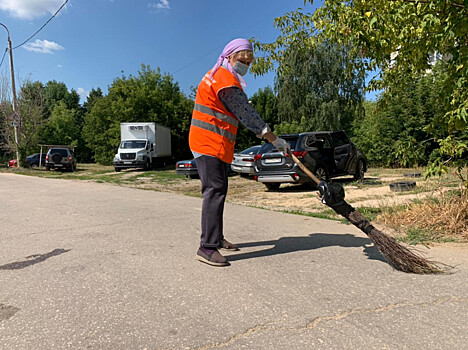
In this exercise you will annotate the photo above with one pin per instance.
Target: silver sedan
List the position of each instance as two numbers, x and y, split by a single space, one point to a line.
243 162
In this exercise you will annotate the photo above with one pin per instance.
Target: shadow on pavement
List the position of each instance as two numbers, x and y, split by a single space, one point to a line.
33 259
313 241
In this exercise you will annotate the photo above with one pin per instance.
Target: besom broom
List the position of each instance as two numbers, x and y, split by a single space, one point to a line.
398 256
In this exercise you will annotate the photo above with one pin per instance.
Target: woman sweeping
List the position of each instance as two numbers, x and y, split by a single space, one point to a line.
220 105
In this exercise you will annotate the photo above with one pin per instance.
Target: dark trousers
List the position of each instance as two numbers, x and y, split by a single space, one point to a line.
214 178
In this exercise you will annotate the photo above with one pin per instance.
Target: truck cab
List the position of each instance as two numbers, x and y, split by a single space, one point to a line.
142 145
133 154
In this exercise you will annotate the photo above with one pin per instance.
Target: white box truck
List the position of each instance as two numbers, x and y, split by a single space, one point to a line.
143 145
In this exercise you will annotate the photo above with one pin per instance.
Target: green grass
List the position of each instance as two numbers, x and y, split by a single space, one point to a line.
102 174
415 235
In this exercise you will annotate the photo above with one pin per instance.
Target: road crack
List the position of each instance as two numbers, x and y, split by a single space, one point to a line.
318 320
315 322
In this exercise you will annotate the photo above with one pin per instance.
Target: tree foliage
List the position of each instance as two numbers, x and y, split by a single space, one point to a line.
315 91
57 92
150 96
395 38
265 103
31 106
394 130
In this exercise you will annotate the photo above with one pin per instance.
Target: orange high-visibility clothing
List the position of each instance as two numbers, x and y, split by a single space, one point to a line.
213 129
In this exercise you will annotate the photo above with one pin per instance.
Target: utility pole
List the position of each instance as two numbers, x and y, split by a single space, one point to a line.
16 117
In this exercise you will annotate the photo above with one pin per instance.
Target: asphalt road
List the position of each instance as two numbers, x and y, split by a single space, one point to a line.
95 266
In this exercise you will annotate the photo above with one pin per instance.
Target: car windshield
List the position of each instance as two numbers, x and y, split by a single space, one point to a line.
251 150
63 152
133 144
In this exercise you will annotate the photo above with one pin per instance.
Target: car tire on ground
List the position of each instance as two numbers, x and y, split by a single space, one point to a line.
117 170
360 170
272 186
412 174
402 186
34 165
47 168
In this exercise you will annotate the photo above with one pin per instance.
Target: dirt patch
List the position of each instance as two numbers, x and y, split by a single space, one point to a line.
374 192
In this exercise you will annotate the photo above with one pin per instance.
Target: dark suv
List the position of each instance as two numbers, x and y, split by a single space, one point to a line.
326 154
60 158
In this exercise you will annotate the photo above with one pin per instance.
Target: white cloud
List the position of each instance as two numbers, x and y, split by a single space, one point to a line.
43 46
83 93
161 5
29 9
59 66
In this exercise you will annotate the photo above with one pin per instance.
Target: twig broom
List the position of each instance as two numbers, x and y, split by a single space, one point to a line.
398 256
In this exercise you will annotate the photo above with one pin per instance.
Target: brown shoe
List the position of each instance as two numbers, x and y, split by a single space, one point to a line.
214 259
228 246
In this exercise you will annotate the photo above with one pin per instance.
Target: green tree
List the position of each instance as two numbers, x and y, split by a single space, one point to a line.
265 103
394 130
147 97
63 126
30 106
394 38
93 96
314 89
56 92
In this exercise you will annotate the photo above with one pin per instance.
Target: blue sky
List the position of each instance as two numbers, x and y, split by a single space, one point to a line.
91 42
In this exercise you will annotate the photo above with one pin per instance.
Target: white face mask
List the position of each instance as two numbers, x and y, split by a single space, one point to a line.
241 68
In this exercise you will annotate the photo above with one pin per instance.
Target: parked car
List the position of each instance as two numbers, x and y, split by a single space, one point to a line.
13 163
326 154
243 162
60 158
33 159
187 168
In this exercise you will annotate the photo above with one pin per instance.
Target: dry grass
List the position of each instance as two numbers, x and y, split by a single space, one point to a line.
445 215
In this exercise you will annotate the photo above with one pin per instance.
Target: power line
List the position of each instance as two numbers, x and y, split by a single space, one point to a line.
50 19
6 50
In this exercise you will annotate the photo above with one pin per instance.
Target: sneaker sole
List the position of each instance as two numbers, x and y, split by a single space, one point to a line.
203 260
229 249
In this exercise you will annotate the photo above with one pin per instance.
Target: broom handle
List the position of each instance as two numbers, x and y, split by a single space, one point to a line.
304 169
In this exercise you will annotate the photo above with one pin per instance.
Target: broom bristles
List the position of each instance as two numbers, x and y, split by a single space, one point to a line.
398 256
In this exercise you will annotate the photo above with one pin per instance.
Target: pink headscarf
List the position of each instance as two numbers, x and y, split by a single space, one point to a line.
234 46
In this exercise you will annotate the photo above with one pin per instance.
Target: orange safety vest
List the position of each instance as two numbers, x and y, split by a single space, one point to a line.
213 129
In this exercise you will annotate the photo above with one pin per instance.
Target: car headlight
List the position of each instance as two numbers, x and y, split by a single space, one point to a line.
116 158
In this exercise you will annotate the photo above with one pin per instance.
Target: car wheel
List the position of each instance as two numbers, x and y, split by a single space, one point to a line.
321 173
34 165
117 170
272 186
360 170
191 177
47 168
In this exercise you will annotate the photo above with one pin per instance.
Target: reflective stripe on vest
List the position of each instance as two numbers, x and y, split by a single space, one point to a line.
223 117
213 128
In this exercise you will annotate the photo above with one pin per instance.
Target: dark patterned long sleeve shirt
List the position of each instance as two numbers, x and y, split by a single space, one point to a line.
235 101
